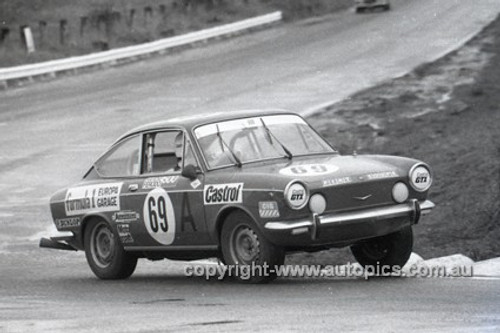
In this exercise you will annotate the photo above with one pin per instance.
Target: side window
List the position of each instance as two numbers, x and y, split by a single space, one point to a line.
163 152
122 160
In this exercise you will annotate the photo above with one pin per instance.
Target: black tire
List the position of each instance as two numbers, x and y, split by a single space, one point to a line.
387 7
105 254
360 10
244 246
390 250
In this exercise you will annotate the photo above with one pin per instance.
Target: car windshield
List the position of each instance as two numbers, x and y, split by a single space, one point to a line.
240 141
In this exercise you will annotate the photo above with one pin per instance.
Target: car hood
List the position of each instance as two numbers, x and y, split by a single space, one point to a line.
334 170
349 182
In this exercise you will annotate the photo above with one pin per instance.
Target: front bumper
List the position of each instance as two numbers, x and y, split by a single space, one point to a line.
337 228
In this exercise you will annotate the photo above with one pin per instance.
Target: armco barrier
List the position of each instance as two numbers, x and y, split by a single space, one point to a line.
112 56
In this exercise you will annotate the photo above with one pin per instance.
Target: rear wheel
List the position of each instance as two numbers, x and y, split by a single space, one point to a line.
247 251
389 250
105 255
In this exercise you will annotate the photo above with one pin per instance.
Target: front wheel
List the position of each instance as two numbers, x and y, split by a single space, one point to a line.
389 250
249 255
105 255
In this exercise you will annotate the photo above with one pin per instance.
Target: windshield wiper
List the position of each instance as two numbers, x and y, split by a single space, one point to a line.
223 143
271 136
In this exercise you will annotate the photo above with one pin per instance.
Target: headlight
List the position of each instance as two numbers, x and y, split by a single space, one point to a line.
400 192
420 177
317 204
296 195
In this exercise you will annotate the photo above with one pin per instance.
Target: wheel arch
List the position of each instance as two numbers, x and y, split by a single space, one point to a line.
225 212
86 220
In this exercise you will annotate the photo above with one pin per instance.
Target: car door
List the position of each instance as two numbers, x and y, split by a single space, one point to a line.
161 207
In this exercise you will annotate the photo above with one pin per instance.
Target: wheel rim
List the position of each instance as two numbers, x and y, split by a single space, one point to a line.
376 250
244 245
102 245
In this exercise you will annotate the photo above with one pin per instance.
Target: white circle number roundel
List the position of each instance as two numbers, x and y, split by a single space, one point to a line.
159 217
309 170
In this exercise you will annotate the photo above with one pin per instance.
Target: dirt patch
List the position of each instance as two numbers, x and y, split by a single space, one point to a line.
447 114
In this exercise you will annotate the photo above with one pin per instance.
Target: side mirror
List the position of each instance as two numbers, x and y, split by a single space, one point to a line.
190 171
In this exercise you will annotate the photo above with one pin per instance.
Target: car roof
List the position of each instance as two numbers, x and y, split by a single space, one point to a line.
189 122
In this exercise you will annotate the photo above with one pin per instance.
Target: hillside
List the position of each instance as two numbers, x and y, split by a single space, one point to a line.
447 114
63 28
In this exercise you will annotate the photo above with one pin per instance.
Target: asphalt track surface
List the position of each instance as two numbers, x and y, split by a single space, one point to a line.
51 132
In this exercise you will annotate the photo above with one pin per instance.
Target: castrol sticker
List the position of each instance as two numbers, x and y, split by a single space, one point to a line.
309 170
101 197
223 193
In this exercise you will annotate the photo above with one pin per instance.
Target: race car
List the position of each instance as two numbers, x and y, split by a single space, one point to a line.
362 5
246 187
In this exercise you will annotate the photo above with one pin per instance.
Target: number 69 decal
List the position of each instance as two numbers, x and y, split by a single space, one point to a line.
309 170
159 217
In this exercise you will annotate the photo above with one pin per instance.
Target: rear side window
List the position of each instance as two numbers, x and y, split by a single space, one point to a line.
122 160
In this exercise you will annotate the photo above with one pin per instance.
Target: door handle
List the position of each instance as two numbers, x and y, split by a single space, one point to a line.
133 187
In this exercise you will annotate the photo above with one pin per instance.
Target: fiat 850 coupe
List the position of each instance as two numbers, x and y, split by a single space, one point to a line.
245 187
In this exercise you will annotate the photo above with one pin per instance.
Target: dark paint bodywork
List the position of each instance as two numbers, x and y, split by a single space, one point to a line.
355 184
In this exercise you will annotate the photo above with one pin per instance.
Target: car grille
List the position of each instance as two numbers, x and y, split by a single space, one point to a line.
354 196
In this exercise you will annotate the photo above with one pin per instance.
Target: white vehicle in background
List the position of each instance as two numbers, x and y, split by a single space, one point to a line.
362 5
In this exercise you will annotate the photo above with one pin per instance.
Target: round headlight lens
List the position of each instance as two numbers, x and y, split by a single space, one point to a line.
296 195
317 203
400 192
420 178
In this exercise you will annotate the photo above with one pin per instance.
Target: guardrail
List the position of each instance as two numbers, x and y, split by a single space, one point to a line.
113 56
